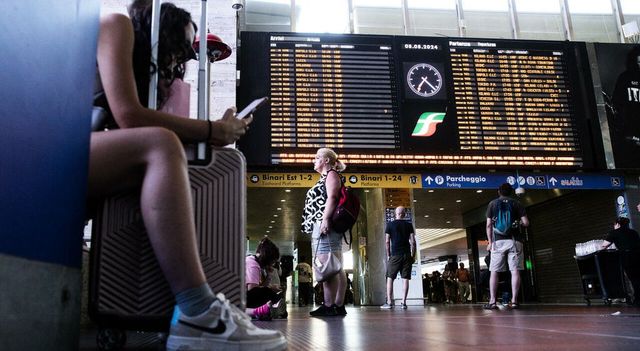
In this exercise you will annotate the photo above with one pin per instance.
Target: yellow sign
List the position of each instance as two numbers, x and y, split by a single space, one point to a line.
354 180
281 180
387 180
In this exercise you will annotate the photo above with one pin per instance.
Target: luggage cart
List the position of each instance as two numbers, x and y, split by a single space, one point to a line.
602 276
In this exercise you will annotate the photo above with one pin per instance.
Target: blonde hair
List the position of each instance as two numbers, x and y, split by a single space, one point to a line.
333 159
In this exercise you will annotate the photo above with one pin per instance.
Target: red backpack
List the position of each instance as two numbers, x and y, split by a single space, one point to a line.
346 212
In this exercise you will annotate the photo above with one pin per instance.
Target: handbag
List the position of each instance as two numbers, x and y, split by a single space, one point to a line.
325 270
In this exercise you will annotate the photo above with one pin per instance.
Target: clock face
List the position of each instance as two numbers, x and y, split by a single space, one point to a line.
424 79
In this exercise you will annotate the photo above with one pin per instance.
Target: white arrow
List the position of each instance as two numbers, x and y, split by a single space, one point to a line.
553 181
429 179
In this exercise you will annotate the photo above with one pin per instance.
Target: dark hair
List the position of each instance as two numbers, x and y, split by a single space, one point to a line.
632 59
505 189
267 252
172 46
622 221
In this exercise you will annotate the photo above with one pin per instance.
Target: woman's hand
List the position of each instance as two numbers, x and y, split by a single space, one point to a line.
324 227
229 129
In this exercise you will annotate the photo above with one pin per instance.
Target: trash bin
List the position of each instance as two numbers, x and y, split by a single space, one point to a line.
602 276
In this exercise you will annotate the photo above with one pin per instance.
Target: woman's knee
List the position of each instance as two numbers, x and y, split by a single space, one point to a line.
164 144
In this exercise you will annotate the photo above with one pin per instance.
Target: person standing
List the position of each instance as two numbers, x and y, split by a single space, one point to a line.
305 279
464 285
505 215
628 243
400 242
320 203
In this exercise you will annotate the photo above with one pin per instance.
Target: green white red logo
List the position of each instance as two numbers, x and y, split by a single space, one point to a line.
427 123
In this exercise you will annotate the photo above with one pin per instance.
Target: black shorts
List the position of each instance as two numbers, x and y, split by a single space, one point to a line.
399 263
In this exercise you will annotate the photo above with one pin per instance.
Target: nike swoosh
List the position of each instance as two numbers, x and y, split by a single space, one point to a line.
219 329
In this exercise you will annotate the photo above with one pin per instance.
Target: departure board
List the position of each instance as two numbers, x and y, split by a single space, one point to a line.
334 95
414 102
512 100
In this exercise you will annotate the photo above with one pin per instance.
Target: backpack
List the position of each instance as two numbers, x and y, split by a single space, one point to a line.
503 223
346 212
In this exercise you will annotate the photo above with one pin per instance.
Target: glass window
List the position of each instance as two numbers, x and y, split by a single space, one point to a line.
487 18
432 18
630 10
593 21
540 19
378 17
327 16
267 16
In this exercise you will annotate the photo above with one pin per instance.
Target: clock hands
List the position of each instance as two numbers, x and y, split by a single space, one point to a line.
424 80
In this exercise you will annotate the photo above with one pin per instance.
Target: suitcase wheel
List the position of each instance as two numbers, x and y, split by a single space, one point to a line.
111 339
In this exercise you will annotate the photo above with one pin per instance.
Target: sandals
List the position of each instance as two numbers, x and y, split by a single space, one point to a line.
490 306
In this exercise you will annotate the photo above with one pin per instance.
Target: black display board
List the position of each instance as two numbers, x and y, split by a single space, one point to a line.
416 101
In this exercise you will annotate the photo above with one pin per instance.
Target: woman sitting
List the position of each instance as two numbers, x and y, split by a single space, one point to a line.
262 294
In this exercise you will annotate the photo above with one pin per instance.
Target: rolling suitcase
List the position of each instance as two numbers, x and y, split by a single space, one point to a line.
127 289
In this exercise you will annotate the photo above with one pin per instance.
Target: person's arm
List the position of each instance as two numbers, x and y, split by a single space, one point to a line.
115 50
387 244
489 231
332 185
412 244
605 245
524 221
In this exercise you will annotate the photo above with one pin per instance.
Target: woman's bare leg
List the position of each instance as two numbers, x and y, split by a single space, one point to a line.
152 159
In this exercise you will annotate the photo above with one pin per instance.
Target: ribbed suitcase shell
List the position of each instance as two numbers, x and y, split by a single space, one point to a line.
127 287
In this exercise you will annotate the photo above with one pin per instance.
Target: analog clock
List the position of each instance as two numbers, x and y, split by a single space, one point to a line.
424 80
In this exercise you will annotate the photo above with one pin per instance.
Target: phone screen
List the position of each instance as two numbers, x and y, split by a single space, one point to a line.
252 107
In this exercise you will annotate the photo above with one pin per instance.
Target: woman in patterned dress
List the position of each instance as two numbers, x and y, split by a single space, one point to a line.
320 203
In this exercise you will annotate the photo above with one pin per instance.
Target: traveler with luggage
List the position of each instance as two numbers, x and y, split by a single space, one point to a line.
146 153
505 215
627 242
320 203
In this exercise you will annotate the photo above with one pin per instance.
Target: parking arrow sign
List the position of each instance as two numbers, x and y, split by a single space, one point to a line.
553 181
429 179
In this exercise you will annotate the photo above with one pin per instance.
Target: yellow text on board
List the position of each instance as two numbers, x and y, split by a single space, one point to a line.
281 180
355 180
398 180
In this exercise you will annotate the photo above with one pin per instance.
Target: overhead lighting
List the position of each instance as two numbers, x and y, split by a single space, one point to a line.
279 208
448 222
273 221
275 215
479 191
268 231
283 200
366 190
430 190
415 200
458 200
270 227
287 190
426 216
441 208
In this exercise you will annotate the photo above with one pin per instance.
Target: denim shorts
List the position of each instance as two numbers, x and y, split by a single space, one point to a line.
329 242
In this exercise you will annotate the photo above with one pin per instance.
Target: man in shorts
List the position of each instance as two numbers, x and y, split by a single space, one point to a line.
400 240
505 247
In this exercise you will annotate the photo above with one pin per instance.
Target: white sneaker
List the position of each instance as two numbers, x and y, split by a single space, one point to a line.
386 306
222 327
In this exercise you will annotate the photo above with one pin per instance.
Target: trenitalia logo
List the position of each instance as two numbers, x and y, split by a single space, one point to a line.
426 125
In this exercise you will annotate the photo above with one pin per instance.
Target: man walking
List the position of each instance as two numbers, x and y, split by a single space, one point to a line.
505 215
400 241
464 287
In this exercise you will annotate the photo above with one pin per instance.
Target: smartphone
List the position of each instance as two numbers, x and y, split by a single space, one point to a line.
252 107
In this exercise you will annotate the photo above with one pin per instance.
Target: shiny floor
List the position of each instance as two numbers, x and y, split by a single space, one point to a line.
447 327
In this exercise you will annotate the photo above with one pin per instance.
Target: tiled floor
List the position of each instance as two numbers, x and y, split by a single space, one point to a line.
453 327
